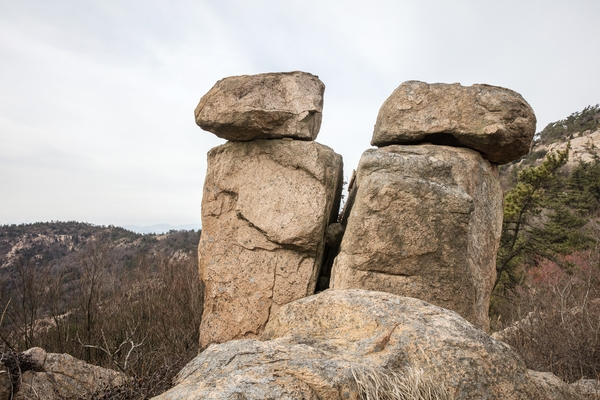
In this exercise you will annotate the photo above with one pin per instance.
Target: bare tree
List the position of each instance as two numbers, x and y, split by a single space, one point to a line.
94 263
29 280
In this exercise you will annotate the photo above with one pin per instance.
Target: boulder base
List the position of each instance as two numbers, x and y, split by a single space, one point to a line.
493 120
264 106
265 210
425 223
315 347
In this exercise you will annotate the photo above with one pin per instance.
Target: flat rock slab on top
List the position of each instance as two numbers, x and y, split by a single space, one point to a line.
264 106
493 120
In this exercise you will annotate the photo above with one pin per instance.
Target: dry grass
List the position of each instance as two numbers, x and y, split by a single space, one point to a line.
385 384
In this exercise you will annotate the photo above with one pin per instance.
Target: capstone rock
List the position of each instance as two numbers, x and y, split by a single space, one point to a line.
425 223
493 120
316 348
265 209
264 106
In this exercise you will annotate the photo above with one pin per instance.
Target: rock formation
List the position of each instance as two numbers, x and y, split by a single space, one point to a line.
493 120
316 347
422 220
426 223
584 147
264 106
427 212
61 376
266 205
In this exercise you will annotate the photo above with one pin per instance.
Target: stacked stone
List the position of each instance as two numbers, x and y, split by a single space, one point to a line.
269 194
427 214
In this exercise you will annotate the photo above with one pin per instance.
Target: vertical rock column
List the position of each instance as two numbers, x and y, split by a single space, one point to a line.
268 197
427 217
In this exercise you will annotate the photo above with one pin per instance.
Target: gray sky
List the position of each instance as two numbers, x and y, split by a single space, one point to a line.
97 97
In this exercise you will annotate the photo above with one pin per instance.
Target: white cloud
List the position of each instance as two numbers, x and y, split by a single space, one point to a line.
96 97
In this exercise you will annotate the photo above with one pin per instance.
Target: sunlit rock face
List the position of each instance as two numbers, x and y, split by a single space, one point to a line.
425 223
265 209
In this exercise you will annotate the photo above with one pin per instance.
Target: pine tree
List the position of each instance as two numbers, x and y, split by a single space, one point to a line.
534 192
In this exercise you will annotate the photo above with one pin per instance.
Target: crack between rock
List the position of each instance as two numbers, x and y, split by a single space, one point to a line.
262 232
384 341
384 273
253 353
237 354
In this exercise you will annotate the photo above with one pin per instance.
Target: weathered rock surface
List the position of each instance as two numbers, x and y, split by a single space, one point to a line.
66 378
313 347
265 209
251 369
584 147
6 387
426 223
587 387
493 120
264 106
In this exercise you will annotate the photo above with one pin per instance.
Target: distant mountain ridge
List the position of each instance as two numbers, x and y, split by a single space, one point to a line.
102 294
59 242
161 228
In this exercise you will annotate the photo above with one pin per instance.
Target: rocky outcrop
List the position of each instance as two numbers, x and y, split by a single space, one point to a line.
319 346
584 146
61 376
265 209
495 121
587 387
266 203
422 220
425 223
264 106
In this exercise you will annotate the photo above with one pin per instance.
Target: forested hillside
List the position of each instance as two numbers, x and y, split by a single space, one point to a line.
106 295
548 263
563 130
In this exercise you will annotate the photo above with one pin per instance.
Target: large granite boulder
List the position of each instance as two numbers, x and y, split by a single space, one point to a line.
63 377
330 345
264 106
265 211
425 223
493 120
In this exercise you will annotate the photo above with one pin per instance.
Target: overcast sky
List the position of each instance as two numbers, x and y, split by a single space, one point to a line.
97 97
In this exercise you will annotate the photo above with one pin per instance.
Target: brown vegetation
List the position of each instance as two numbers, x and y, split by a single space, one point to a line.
558 314
140 317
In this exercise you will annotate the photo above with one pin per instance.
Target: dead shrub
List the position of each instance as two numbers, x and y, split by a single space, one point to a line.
557 315
144 323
